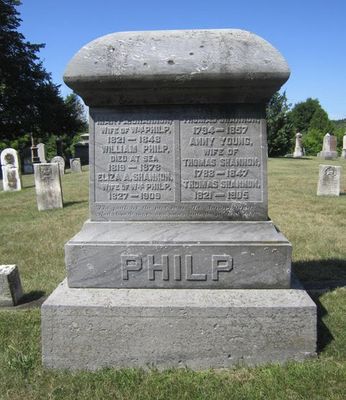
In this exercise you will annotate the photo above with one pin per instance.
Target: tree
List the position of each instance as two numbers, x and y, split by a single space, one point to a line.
279 128
30 103
312 121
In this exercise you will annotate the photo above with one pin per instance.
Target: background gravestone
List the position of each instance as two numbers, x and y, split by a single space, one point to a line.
10 286
329 180
178 201
75 165
298 150
10 167
41 152
343 154
61 162
329 147
48 186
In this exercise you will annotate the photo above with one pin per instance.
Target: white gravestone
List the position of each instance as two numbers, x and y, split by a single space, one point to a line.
75 165
329 181
343 154
41 152
329 147
10 170
10 286
48 186
61 162
298 150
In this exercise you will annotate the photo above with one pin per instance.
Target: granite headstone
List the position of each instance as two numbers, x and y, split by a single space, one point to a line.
329 180
10 166
48 186
41 150
10 286
61 162
329 147
298 149
343 154
178 201
75 165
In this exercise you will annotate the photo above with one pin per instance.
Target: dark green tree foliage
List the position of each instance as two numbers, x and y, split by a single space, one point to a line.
312 121
279 127
29 101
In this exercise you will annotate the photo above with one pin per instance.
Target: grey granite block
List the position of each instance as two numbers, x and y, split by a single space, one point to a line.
200 328
178 255
10 285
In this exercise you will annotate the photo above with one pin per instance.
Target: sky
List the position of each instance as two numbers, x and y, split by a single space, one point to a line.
310 34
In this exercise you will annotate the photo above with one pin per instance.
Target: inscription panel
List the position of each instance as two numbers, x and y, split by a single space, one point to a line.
178 163
134 160
221 160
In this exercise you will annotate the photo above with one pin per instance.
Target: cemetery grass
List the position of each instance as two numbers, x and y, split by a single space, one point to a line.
35 242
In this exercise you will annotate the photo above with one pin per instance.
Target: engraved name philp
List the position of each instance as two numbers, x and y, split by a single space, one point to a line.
173 267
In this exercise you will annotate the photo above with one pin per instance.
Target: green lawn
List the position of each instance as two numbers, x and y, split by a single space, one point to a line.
34 241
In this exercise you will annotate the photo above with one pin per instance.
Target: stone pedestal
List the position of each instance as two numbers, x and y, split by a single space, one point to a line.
179 264
197 328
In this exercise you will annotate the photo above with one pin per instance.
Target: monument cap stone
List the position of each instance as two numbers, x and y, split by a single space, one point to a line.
177 67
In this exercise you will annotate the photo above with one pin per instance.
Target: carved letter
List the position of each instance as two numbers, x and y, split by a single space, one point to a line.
221 264
190 276
163 267
130 263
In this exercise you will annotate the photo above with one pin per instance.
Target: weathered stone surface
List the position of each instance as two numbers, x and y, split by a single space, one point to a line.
179 255
48 186
329 147
329 180
178 163
298 150
41 151
61 162
10 166
10 286
200 329
75 165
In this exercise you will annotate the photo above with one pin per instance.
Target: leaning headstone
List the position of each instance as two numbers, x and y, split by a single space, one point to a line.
298 150
178 211
343 154
61 162
41 152
329 180
75 165
10 286
48 186
10 167
329 147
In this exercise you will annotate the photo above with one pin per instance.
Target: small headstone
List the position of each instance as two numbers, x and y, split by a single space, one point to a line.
343 154
61 162
329 147
41 152
329 181
10 170
298 150
75 165
48 186
10 286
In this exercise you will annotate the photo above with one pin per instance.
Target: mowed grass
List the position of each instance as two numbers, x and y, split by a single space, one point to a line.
35 242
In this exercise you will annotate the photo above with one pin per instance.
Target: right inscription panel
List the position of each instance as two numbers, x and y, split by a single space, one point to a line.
221 160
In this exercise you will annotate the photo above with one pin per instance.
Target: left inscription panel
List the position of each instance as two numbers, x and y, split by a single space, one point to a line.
133 159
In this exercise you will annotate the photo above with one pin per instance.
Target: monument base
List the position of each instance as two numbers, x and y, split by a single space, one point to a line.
197 328
327 155
179 255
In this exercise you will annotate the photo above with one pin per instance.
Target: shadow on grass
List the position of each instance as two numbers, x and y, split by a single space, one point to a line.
318 277
32 299
72 203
